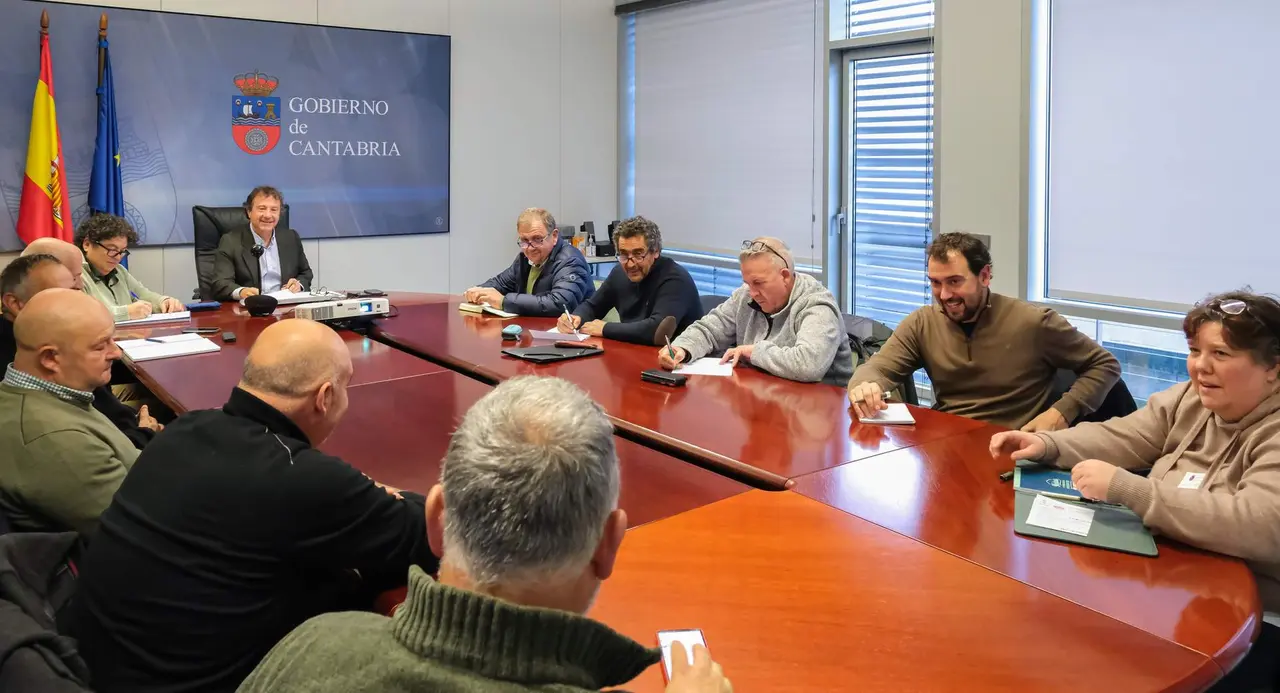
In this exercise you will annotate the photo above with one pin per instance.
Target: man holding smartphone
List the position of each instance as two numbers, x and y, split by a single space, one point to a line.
508 610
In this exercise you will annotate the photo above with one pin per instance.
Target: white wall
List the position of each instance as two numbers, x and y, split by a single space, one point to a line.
534 123
980 60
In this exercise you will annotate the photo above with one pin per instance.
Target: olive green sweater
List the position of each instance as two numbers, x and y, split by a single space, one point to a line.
60 462
448 640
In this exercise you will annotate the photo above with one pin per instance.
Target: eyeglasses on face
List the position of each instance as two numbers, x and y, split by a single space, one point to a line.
635 256
112 252
533 242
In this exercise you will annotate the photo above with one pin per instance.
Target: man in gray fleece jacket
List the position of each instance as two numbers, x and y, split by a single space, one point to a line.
781 322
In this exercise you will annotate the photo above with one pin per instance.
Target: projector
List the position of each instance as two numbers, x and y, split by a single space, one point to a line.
343 310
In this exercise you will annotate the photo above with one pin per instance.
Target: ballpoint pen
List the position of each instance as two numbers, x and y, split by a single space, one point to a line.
569 318
670 351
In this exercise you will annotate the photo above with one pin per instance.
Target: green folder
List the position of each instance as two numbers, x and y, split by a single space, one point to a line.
1114 527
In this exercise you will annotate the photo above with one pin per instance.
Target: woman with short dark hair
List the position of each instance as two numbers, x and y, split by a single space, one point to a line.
105 239
1212 446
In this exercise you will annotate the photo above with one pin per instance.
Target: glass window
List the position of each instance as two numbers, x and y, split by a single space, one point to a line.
857 18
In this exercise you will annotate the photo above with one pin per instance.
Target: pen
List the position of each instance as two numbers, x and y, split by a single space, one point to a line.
1006 476
569 317
157 341
670 352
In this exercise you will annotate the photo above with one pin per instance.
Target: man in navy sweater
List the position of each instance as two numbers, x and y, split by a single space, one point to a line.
655 297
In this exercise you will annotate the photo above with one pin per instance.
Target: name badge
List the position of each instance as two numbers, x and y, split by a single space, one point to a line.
1192 480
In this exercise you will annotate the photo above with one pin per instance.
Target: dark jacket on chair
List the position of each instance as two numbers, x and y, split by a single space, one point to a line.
235 265
565 282
37 578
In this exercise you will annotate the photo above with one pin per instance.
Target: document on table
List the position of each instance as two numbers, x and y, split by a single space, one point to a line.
166 347
707 365
483 308
556 335
1061 516
897 413
285 297
181 316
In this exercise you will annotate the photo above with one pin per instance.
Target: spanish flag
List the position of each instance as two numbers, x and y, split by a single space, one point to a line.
44 210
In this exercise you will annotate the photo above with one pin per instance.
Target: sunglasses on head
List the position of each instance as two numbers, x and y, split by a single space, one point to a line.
761 246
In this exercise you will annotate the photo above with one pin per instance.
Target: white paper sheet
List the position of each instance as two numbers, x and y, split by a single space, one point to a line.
166 347
897 413
708 365
181 316
1064 517
555 334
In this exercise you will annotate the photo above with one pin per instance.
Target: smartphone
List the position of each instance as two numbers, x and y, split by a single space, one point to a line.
688 638
199 330
661 377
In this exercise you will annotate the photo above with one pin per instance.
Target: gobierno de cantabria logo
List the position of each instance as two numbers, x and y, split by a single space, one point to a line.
255 113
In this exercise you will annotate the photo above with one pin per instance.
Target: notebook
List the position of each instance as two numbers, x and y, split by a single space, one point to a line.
181 316
1038 478
897 414
166 347
483 308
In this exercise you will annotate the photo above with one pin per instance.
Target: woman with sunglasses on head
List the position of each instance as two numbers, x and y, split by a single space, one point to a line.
1212 446
105 239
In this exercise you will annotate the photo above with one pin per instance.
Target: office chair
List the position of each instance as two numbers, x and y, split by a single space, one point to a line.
710 302
210 223
1118 402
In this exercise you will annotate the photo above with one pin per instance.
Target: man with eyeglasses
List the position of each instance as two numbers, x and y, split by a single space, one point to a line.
547 278
655 297
105 239
782 322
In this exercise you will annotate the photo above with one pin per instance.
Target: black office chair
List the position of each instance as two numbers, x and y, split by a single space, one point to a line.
210 223
1118 402
710 302
866 336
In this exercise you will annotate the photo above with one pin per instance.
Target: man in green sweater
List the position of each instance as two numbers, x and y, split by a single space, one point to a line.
990 357
61 460
527 524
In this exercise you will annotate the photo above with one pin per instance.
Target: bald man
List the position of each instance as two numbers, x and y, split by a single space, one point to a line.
61 460
232 529
27 276
69 255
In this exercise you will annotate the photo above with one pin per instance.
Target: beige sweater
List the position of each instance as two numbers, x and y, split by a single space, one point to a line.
1236 509
1002 374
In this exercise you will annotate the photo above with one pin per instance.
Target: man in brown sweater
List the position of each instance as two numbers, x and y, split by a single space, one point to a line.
989 357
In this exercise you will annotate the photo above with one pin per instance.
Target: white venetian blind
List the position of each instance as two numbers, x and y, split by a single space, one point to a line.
725 124
871 17
1161 155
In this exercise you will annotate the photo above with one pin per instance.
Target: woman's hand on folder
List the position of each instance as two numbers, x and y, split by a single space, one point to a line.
1017 445
1092 478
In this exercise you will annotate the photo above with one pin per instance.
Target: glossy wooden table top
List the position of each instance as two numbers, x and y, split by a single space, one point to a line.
396 431
759 427
793 595
947 494
203 381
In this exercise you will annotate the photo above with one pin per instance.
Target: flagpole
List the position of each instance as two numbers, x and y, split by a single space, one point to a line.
102 52
44 24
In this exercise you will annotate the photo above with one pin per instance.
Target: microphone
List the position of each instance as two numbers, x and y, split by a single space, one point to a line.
260 305
257 250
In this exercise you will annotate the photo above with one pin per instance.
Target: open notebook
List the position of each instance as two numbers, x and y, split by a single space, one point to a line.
483 309
166 347
154 318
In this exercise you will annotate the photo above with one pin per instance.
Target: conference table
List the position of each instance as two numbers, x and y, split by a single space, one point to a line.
866 558
755 427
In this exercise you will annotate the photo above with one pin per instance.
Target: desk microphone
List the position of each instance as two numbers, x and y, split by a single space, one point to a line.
257 250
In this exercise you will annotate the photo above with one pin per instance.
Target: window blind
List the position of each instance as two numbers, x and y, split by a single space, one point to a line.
892 150
725 124
871 17
1159 155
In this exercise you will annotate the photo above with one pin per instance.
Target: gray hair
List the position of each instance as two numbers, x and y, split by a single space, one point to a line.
639 226
529 479
770 246
533 214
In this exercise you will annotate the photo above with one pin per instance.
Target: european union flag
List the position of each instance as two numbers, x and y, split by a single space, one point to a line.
106 189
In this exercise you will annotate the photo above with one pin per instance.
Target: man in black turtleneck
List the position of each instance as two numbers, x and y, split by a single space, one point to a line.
27 276
655 297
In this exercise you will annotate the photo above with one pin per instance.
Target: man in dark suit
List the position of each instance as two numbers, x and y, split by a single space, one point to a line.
258 257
